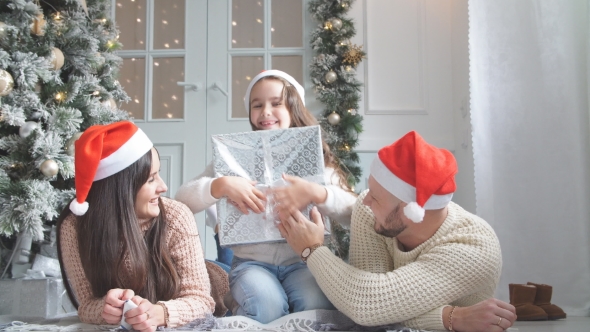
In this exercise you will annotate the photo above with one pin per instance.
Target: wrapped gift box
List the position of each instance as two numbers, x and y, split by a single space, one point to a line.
263 156
45 298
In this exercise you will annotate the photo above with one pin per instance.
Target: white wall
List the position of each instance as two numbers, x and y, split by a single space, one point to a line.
416 77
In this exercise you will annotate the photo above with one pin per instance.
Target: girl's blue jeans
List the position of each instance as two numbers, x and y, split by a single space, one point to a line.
265 292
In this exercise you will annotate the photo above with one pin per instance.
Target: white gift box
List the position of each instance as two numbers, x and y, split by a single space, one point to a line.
263 156
44 298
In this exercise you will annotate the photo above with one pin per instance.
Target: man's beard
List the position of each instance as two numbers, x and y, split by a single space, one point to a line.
393 224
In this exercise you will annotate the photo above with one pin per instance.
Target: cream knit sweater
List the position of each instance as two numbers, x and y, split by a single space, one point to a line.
194 300
459 265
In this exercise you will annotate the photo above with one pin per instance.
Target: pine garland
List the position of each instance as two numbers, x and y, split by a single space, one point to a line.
333 73
62 78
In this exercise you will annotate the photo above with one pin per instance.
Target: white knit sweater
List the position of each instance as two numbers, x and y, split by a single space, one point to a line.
196 194
459 265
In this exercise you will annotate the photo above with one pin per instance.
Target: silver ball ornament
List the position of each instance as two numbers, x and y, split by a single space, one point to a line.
6 82
36 115
331 77
26 129
56 58
49 168
336 24
110 104
334 118
3 30
71 144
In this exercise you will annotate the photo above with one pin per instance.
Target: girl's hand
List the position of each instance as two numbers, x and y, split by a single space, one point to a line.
146 317
298 194
241 193
113 305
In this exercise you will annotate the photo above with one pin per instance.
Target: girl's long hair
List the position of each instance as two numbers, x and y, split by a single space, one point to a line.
113 250
302 117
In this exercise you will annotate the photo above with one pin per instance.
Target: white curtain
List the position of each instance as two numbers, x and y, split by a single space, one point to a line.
529 73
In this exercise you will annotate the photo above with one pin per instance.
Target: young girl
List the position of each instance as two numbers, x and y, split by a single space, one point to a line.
268 281
123 241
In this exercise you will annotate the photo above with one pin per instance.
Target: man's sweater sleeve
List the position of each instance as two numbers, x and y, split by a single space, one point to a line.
378 294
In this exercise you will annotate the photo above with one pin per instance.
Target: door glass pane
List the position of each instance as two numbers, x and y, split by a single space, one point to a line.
247 22
287 23
168 97
132 78
169 24
131 19
244 68
291 64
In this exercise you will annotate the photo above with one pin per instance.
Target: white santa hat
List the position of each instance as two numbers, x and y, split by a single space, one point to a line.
277 73
104 150
419 174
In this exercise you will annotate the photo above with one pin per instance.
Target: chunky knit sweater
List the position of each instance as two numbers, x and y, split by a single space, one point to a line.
459 265
194 299
196 194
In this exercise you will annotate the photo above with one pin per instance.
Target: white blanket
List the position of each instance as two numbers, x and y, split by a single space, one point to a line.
308 321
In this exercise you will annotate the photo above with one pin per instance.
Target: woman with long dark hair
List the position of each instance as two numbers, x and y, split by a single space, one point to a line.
122 240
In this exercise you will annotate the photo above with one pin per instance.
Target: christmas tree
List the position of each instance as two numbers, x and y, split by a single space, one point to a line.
58 76
333 73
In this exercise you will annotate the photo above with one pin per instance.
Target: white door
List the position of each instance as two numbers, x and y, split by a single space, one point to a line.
212 48
246 37
164 74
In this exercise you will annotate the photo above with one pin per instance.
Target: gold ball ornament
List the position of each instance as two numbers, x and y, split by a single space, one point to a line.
335 24
71 144
38 25
56 58
334 118
331 77
49 168
6 82
25 130
3 30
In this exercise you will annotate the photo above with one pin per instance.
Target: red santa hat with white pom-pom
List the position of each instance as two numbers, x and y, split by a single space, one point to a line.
104 150
419 174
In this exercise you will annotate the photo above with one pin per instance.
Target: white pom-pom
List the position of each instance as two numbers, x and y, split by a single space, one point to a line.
78 209
414 212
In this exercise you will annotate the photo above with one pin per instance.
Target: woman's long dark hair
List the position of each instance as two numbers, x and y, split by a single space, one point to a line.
113 251
302 117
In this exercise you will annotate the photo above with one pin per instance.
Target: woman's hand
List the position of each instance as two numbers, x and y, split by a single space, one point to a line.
298 194
146 317
113 305
241 193
491 315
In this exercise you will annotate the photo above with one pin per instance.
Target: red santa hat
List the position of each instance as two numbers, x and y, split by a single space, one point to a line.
277 73
104 150
419 174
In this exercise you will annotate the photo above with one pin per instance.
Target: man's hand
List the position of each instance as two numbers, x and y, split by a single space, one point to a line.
299 231
491 315
113 304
